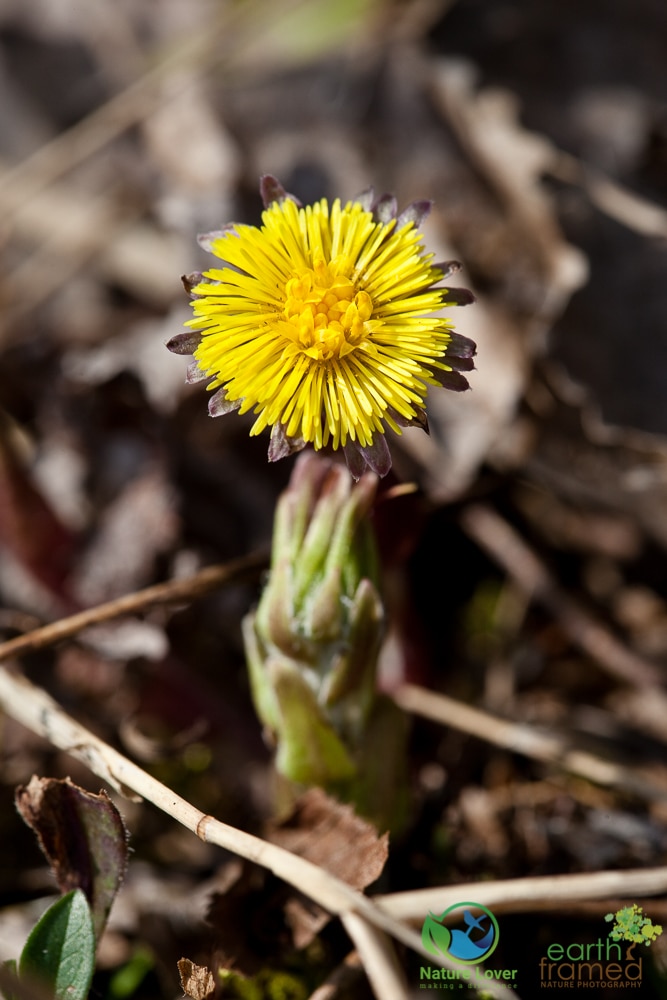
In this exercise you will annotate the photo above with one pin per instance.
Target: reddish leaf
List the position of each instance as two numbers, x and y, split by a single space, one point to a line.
29 528
83 837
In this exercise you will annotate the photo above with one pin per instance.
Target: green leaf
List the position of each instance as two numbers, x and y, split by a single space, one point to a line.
436 938
60 950
126 981
309 750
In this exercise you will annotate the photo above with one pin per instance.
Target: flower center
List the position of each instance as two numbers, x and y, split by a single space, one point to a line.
327 316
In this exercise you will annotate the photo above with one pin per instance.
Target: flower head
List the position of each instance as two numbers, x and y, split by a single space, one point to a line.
324 323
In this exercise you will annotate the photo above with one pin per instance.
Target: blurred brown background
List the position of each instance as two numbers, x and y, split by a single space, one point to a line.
540 132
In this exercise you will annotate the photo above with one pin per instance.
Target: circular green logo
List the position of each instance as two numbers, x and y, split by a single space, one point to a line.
469 937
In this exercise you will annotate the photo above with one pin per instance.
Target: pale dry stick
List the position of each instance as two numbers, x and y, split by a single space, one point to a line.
171 592
523 895
524 739
493 534
379 957
38 712
632 210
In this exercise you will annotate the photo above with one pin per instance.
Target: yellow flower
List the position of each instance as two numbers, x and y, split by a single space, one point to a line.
324 323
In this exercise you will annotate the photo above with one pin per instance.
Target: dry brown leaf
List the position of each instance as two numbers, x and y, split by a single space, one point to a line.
196 980
330 835
325 832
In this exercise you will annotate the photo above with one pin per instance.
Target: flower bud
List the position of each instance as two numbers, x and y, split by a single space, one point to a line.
312 643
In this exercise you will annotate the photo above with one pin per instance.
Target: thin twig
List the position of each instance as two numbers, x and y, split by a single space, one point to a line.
38 712
377 956
493 534
35 709
524 739
171 592
617 201
523 895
